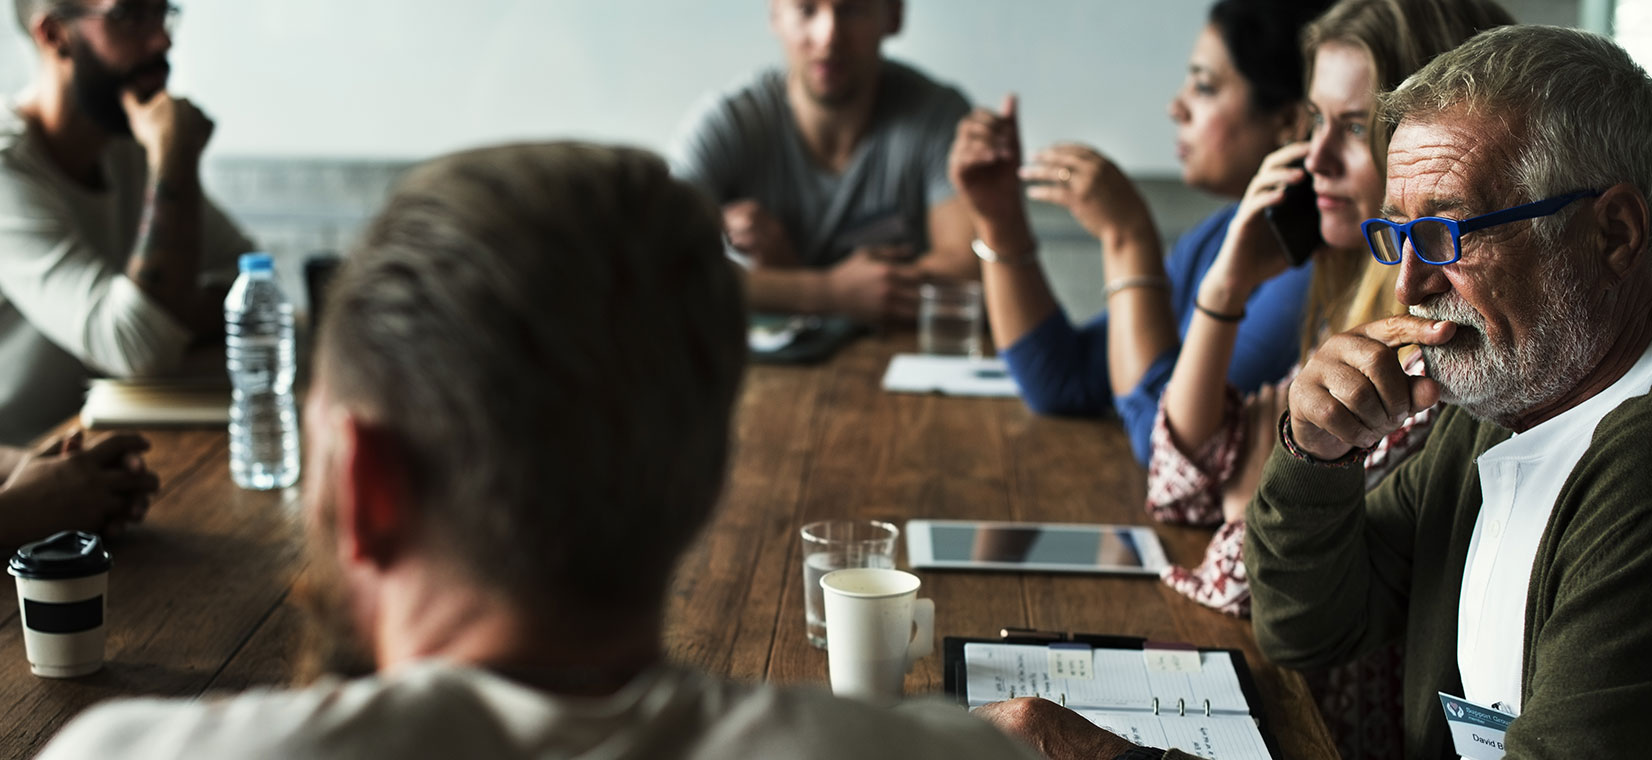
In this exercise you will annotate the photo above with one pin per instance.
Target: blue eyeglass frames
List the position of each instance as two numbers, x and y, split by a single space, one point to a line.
1438 240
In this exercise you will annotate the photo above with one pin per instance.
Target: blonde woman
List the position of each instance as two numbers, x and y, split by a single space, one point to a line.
1208 444
1207 440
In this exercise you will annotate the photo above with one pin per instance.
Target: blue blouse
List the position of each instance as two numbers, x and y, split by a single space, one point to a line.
1063 370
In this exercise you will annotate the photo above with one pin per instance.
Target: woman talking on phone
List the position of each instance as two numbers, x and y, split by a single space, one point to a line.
1240 101
1208 442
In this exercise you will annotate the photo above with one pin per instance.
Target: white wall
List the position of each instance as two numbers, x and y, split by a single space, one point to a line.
408 78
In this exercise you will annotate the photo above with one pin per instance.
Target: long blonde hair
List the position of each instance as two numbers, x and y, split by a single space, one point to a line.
1350 288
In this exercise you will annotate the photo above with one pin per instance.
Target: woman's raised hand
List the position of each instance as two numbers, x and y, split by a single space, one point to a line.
1091 187
1251 254
986 154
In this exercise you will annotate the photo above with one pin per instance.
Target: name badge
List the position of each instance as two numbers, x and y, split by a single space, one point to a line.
1477 730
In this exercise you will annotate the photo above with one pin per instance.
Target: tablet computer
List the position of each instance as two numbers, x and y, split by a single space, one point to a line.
1038 547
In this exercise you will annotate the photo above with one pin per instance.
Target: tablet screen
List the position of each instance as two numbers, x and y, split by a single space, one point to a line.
1049 545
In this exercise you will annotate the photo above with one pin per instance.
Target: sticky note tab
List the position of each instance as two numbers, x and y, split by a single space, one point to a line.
1169 657
1072 661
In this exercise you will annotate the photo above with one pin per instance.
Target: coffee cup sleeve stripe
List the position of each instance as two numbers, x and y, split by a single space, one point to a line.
63 617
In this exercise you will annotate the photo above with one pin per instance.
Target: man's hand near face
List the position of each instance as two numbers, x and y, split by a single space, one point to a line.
166 259
172 131
1353 392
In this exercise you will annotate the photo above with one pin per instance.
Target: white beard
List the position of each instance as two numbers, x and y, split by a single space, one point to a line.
1500 382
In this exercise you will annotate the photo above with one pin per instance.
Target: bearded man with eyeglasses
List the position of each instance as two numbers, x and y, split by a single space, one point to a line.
105 234
1510 554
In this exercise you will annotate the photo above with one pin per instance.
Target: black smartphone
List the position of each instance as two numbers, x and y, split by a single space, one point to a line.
1295 221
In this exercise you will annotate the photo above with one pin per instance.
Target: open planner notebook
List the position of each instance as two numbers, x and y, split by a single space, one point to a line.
1192 700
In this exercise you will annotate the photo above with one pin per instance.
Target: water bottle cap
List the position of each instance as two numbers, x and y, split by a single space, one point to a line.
257 262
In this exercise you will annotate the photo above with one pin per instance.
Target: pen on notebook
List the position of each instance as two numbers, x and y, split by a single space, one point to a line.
1030 633
991 374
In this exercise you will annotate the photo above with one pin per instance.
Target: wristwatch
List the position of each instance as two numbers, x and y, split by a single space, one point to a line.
985 253
1140 753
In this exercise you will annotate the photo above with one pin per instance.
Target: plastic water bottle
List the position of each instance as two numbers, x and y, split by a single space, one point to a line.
259 352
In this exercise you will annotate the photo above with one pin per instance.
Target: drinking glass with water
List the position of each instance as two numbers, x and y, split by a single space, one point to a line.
834 545
949 318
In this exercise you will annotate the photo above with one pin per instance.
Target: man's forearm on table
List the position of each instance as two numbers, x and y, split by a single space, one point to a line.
787 290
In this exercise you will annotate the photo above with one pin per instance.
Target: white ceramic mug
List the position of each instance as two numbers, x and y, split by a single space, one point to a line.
870 641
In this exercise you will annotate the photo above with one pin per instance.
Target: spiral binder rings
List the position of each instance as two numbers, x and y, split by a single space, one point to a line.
1181 706
1201 701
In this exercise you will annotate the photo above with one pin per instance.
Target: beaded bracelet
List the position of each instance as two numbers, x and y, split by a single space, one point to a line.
1219 316
1353 457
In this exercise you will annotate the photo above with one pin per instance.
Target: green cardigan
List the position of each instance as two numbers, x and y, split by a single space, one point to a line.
1335 572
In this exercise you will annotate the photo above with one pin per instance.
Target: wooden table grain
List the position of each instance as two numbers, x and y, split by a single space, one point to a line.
825 442
198 598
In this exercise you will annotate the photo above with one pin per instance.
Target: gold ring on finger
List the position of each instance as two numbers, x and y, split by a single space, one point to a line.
1065 175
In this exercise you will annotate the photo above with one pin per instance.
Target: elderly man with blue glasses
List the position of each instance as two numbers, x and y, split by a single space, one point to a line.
1510 555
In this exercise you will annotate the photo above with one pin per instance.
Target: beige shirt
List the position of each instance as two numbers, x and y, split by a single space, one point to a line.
67 310
440 710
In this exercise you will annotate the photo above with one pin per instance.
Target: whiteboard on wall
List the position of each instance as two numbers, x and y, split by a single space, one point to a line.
411 78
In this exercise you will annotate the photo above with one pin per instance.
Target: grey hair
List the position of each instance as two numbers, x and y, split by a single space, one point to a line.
1575 104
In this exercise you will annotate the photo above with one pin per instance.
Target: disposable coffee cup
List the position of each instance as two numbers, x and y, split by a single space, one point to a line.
61 587
876 626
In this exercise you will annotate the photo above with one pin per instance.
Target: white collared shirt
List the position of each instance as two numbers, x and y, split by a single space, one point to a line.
1520 479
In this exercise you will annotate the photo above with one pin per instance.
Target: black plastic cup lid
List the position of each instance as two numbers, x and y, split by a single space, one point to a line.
70 554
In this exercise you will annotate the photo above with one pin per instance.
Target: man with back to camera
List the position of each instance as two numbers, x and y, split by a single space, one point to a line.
501 558
104 231
832 171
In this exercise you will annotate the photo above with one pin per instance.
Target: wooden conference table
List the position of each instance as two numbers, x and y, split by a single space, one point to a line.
198 598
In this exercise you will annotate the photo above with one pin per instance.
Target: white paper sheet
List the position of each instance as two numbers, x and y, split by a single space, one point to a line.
1218 737
1121 680
948 375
